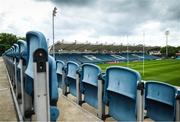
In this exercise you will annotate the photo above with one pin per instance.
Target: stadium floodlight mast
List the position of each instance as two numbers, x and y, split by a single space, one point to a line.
48 42
143 50
127 51
167 34
53 15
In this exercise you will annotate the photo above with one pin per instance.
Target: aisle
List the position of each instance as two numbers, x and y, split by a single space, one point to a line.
7 108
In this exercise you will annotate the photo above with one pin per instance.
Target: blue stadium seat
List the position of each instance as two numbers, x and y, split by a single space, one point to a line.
89 83
59 70
16 61
36 40
160 101
23 50
21 55
21 69
16 51
53 87
72 68
120 92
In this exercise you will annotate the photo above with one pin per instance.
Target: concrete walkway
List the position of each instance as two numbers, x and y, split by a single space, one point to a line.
7 108
70 111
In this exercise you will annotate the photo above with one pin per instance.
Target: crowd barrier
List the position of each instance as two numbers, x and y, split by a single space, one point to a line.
33 76
36 76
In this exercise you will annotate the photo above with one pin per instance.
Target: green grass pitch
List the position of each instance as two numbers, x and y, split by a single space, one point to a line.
167 71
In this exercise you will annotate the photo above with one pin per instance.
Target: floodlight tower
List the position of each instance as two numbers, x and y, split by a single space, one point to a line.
48 42
167 34
143 50
127 51
53 15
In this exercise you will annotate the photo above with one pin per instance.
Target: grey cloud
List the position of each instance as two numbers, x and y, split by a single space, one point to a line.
118 17
71 3
75 2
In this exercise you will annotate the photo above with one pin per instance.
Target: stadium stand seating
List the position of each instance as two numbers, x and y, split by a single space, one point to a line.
16 60
119 88
89 86
102 57
120 92
71 70
160 101
59 70
89 83
34 53
22 55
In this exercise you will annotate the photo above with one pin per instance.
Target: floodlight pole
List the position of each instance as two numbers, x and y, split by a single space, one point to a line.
127 52
143 50
53 15
48 42
167 33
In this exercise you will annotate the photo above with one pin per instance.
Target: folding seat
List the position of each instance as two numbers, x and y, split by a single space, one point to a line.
60 72
36 48
160 101
16 60
16 69
10 65
123 93
90 87
53 88
23 59
71 70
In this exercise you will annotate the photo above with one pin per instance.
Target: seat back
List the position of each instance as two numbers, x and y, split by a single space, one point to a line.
22 55
53 82
59 70
90 73
72 68
35 40
120 92
38 86
16 51
23 50
160 101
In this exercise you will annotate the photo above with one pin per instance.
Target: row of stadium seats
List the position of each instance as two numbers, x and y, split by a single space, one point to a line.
121 89
32 74
100 58
36 76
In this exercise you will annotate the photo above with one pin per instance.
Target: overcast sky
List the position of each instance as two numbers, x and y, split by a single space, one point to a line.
102 21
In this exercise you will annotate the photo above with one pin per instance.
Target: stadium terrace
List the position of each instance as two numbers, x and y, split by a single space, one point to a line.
104 84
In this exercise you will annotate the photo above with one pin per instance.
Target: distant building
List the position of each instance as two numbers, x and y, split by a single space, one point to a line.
155 52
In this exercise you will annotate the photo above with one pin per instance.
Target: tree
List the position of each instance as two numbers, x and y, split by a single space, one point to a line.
7 40
171 51
178 49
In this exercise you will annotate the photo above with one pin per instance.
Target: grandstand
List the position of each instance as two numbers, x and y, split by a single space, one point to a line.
101 48
103 57
86 91
89 53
